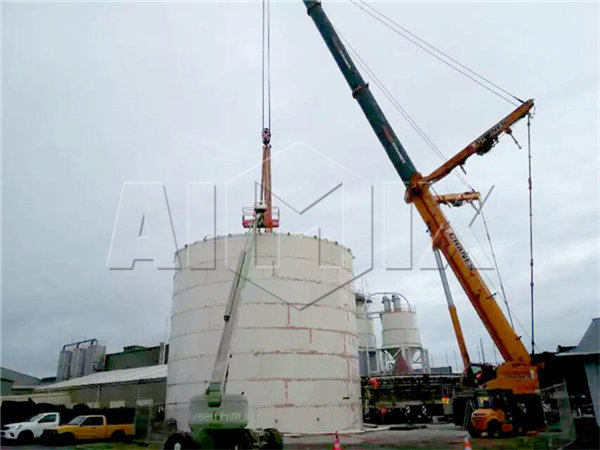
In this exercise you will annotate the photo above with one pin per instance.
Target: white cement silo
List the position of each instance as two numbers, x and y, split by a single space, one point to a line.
400 333
297 367
364 324
368 353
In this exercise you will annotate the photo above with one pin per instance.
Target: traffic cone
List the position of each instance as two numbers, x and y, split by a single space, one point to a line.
336 443
467 443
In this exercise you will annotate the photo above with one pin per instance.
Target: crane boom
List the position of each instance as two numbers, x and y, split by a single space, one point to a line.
418 192
452 310
362 93
483 143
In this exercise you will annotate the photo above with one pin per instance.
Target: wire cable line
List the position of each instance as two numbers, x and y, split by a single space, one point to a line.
437 53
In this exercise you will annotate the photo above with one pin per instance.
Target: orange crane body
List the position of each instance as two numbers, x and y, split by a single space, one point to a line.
516 374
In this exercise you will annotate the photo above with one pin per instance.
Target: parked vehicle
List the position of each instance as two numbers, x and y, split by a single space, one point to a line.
88 428
31 429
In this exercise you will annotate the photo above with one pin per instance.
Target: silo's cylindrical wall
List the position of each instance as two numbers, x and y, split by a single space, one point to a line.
64 365
77 362
297 367
399 329
365 328
94 358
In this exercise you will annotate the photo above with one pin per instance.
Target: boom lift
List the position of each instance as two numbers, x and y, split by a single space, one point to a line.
218 419
516 380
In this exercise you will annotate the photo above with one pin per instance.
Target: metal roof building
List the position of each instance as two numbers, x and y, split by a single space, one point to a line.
588 352
136 375
140 386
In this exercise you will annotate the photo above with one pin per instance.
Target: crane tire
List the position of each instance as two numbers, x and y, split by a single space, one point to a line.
494 429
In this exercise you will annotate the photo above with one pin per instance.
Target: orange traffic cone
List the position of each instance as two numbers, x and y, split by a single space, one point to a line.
467 443
336 443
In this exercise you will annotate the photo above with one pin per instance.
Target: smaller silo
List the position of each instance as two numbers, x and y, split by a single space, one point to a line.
400 334
77 362
94 358
64 365
368 354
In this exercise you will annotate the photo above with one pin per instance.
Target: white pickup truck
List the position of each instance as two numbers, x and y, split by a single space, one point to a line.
31 429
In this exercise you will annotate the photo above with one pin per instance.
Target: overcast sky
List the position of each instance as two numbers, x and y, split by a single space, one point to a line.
96 95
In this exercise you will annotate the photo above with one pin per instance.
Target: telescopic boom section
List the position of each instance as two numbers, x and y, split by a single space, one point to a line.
362 93
418 192
482 144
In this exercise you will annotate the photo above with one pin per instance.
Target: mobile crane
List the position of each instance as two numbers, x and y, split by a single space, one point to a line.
512 402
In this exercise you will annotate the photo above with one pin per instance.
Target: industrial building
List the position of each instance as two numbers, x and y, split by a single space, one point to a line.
15 383
142 386
584 364
136 376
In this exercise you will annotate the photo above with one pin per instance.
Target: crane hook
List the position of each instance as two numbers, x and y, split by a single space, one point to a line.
266 136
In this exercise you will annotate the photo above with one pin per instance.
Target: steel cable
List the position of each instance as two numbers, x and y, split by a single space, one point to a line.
416 40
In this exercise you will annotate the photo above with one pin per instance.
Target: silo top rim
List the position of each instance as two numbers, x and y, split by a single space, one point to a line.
296 235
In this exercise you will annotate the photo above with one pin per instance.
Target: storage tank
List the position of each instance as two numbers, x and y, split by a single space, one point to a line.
77 362
368 353
400 334
64 365
296 361
364 325
94 358
399 328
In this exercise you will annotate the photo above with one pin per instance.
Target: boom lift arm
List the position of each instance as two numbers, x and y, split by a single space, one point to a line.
516 374
218 379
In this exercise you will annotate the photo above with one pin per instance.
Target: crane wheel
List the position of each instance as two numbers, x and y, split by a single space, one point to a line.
494 428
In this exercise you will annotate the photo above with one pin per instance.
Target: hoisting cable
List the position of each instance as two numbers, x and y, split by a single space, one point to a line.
386 92
435 52
266 65
490 282
487 233
432 145
530 228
